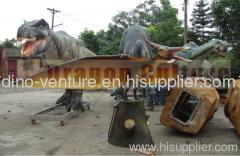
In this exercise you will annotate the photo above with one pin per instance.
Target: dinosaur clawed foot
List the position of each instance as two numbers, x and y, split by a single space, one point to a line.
76 104
62 99
76 101
65 98
72 99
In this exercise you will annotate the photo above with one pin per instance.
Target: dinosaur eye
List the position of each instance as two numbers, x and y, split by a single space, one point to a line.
41 26
161 50
217 45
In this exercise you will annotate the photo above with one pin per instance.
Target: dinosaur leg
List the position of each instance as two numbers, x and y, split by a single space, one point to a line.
127 87
135 94
125 97
153 99
143 93
76 101
67 95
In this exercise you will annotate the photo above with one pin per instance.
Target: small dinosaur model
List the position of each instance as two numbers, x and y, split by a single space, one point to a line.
55 48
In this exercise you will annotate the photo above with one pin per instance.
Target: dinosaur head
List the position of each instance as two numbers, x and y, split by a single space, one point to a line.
221 47
164 52
36 35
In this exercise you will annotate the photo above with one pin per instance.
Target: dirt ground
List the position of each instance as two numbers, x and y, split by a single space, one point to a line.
87 133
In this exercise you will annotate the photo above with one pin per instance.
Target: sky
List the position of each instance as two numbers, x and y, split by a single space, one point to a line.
75 15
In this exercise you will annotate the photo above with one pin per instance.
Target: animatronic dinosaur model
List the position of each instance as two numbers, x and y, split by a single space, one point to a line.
197 54
92 73
55 48
133 43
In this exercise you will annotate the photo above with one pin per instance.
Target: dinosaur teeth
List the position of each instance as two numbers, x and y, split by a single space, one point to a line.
20 39
27 50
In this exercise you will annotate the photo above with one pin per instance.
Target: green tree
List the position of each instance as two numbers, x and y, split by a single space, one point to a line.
108 43
90 40
226 20
201 23
145 14
8 43
168 30
160 18
102 42
1 47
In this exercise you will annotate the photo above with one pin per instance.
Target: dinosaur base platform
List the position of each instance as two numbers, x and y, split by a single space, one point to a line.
56 113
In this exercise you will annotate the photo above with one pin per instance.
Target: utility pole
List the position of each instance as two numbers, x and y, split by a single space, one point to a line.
53 11
185 21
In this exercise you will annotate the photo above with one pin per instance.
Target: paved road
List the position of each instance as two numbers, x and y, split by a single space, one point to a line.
87 133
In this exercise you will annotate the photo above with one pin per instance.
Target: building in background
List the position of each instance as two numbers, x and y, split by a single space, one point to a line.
15 66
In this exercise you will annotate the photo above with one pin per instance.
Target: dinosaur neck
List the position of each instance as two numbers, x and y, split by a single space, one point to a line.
57 42
201 55
203 51
136 31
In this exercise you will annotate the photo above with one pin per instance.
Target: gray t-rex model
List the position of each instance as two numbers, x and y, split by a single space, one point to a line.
198 54
55 48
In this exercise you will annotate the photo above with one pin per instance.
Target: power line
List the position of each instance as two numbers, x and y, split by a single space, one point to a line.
53 11
60 20
83 13
82 21
97 12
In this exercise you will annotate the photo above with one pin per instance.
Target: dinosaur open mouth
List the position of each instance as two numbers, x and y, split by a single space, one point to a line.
179 58
222 53
29 45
